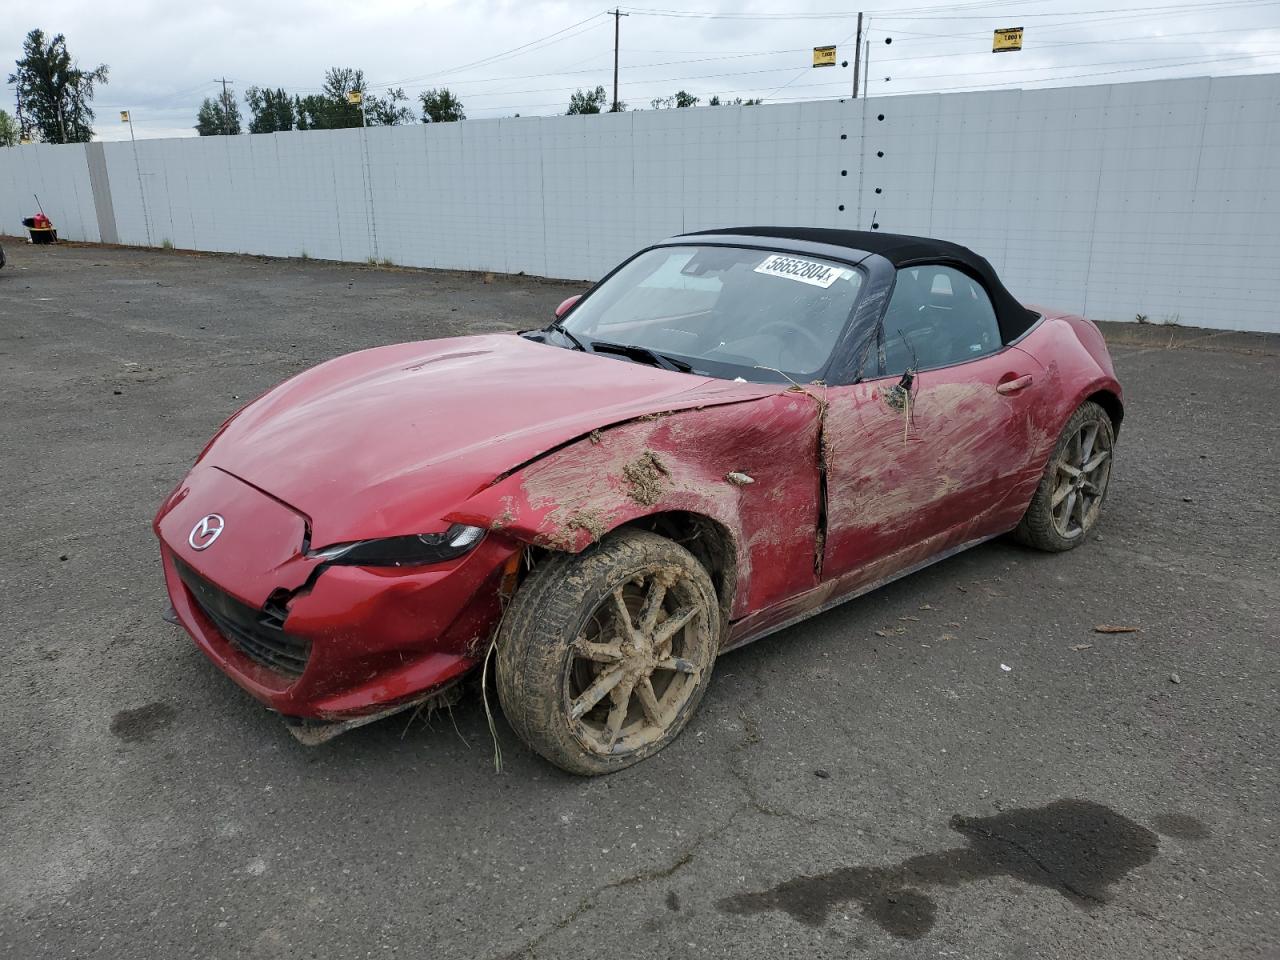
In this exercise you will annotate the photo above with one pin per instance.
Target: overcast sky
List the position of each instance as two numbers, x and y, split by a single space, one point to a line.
527 57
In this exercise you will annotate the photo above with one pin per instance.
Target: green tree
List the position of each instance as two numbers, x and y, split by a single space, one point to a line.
389 110
54 94
441 106
219 116
685 100
272 110
331 109
9 133
592 101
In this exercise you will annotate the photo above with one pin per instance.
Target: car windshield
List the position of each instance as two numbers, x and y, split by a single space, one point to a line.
721 311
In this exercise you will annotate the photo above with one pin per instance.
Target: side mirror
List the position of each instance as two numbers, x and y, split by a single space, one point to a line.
566 305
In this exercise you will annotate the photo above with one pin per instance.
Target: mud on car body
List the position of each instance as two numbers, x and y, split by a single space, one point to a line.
733 430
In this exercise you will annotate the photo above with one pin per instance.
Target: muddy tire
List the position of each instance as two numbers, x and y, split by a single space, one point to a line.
603 656
1068 503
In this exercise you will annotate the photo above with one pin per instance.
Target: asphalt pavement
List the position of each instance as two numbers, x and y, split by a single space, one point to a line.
958 765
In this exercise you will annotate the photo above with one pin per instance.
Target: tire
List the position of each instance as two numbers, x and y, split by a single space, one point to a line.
563 641
1075 483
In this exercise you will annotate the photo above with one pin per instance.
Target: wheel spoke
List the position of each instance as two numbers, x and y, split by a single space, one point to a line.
623 614
1080 510
649 702
595 693
618 713
1096 461
1070 505
672 625
1068 469
1087 437
599 652
652 605
1059 495
678 664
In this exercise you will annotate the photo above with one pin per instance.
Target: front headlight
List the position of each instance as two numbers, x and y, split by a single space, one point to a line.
414 550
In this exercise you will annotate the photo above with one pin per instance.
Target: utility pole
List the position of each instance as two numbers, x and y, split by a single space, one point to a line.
226 106
857 56
127 117
617 28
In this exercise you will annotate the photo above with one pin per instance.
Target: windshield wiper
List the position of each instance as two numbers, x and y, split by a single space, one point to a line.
558 327
643 354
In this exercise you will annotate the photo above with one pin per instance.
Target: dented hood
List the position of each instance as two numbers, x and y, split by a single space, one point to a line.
389 440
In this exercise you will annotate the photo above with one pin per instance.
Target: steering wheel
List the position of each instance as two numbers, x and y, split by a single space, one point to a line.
819 349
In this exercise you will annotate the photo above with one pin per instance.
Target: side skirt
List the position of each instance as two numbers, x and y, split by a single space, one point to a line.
853 594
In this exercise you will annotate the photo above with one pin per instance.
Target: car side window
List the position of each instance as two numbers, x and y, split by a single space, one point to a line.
938 316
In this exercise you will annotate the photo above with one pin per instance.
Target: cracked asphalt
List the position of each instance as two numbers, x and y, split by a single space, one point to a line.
872 782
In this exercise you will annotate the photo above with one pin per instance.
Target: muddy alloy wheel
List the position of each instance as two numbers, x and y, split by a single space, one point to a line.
604 656
1069 500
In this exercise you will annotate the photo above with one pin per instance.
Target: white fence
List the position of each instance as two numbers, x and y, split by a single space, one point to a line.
1158 198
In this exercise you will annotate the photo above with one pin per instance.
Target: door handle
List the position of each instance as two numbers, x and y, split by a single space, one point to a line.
1014 385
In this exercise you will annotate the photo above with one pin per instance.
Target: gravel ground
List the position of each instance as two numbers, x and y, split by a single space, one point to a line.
870 782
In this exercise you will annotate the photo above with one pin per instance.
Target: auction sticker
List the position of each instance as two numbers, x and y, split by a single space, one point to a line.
806 271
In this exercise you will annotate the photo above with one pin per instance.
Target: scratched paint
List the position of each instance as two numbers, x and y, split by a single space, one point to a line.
773 520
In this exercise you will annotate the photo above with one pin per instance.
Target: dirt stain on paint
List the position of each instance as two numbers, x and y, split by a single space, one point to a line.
589 520
646 478
143 723
1076 847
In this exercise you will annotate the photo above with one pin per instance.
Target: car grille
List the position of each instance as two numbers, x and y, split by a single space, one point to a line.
258 634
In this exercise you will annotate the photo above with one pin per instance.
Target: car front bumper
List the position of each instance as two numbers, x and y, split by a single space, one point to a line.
316 641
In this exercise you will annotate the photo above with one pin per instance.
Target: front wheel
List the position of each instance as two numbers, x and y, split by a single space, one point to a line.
604 656
1068 502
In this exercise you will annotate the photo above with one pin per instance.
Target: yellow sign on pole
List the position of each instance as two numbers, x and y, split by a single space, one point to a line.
1007 40
355 97
124 116
824 56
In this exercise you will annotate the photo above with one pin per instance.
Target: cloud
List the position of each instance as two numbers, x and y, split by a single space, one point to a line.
164 57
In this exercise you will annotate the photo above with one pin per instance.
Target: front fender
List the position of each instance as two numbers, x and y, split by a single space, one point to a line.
575 495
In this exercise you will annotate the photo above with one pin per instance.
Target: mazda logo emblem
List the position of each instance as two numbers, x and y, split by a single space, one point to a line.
206 531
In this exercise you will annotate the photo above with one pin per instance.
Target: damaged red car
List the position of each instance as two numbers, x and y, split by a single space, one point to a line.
732 431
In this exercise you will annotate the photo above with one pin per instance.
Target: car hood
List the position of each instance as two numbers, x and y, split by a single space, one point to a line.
389 440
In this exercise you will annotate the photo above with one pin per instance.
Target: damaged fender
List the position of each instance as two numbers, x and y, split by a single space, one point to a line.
690 462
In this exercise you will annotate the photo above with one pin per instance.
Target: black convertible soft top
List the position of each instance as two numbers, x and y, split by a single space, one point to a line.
903 251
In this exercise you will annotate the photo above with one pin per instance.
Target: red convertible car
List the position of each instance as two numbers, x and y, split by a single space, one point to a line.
732 431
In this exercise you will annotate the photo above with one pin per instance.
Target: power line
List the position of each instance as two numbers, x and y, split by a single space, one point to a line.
1103 73
934 15
523 48
1174 9
1207 59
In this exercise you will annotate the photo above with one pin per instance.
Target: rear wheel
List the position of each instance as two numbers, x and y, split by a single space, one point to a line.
604 656
1068 502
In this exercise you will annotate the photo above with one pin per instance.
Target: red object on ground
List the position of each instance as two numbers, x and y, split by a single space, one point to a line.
40 228
522 440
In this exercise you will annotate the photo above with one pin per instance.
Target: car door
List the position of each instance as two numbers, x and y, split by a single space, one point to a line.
926 456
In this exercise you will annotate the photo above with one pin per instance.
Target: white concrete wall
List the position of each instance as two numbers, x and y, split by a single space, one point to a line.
59 176
1159 198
